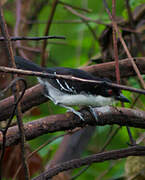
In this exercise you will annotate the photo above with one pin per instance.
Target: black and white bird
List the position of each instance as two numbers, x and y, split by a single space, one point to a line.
68 93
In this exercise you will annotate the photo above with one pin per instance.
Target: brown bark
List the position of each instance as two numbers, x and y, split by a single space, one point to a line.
60 122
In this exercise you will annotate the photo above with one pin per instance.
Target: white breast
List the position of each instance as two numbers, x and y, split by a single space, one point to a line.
84 100
72 100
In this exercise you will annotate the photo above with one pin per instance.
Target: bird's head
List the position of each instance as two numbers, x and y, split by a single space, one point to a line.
116 94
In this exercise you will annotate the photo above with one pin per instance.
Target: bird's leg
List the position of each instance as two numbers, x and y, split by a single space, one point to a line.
72 110
67 107
93 113
50 98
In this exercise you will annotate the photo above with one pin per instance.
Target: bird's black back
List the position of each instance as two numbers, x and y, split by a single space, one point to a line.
67 86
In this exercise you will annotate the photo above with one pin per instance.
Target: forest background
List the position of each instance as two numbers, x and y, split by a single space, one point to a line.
86 42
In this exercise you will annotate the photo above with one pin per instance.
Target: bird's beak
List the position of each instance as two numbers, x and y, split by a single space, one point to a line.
122 98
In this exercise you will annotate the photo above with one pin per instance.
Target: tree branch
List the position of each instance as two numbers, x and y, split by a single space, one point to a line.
32 97
68 77
33 38
107 116
108 69
100 157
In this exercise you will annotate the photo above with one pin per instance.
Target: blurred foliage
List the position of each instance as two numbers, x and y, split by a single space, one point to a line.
75 51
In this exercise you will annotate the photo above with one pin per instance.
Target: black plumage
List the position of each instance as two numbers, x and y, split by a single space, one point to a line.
70 86
68 92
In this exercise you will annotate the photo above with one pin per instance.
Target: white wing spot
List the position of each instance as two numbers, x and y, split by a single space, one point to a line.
68 87
61 85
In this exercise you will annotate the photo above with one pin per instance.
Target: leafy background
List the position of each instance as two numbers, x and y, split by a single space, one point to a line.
78 48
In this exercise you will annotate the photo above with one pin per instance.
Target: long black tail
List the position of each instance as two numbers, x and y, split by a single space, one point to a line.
25 64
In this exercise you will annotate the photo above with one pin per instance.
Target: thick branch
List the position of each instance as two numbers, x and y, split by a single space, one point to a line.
108 69
33 97
100 157
106 115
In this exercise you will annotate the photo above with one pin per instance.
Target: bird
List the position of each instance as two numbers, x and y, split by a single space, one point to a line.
67 92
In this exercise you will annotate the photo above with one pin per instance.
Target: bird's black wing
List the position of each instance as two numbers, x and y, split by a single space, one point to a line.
66 86
76 86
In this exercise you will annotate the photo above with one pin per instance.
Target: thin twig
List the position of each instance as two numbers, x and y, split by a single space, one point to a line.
10 55
18 17
36 50
54 5
33 38
116 57
42 146
4 131
111 136
125 46
100 157
17 27
78 21
83 17
36 150
106 171
81 172
72 78
135 101
91 30
75 7
132 24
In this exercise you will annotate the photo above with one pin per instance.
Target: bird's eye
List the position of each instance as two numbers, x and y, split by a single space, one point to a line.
110 92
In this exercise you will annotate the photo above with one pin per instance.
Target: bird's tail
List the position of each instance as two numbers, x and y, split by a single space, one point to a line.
25 64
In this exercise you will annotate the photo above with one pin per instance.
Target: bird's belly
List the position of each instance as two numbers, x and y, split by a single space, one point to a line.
84 100
75 99
79 99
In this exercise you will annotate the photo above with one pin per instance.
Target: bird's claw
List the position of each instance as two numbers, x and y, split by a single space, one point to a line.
76 113
93 113
70 109
79 115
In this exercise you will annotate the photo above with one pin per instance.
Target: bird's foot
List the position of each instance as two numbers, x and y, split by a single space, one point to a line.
70 109
93 113
78 114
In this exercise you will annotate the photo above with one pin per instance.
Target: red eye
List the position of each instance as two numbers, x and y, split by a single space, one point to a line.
110 91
